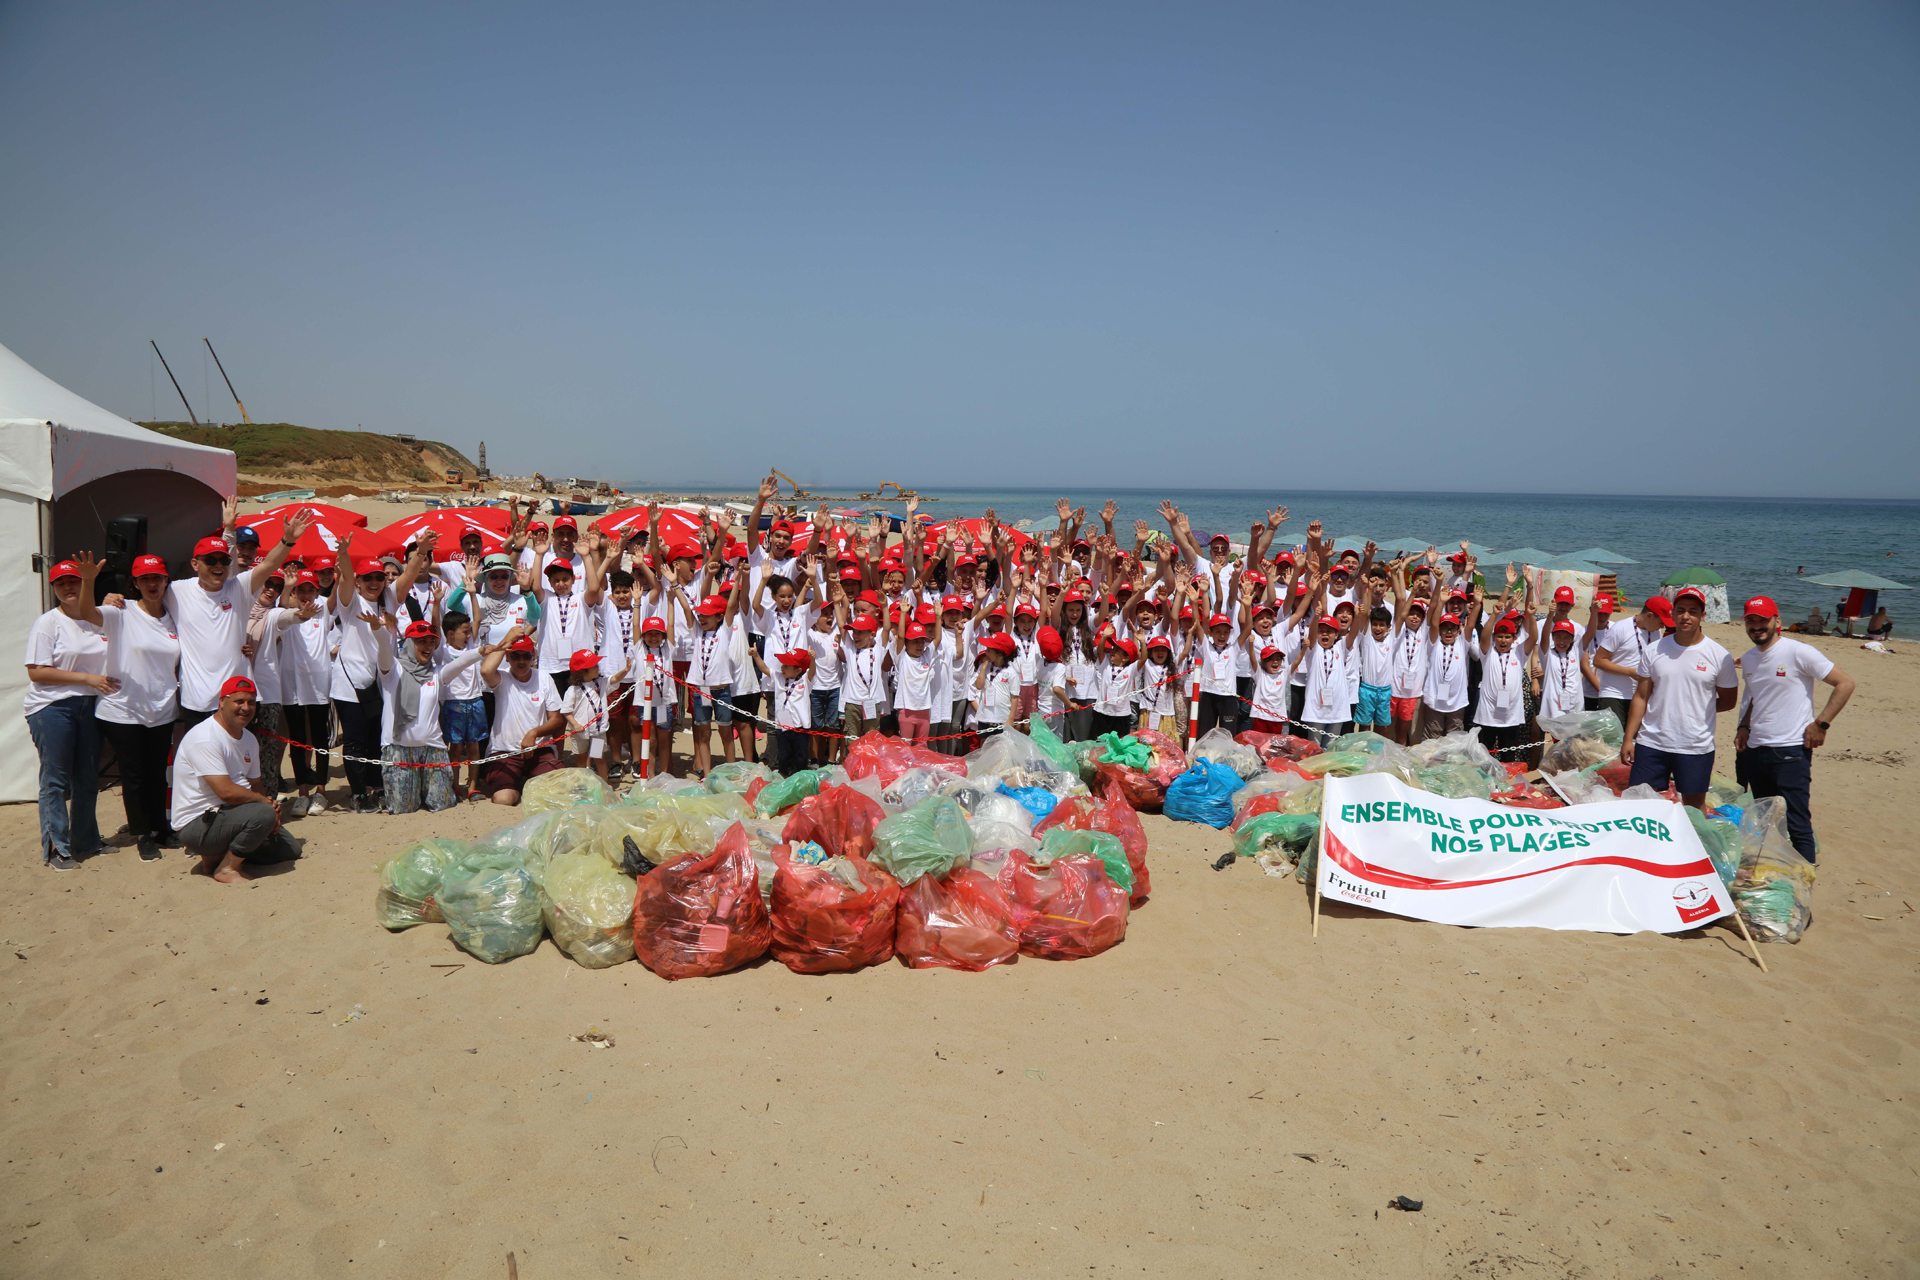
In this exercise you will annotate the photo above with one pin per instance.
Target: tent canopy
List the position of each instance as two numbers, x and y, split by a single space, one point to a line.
1600 555
1698 576
1859 579
1519 555
53 441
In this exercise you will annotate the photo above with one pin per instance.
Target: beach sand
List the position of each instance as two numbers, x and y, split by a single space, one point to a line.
190 1094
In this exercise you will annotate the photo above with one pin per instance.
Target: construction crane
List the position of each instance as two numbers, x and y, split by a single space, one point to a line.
175 381
229 381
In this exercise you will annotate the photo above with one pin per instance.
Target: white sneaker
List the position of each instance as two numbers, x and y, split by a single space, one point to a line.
316 803
294 807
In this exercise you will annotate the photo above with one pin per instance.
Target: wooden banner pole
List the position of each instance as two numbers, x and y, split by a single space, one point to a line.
1751 944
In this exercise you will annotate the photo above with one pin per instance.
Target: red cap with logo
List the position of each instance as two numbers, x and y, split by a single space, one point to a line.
211 547
1328 620
1563 625
1661 608
367 566
712 607
422 630
305 578
799 658
322 562
1218 620
1445 618
1127 648
1761 607
652 625
914 631
1563 595
1000 642
144 565
238 684
850 574
523 645
952 603
1690 593
68 569
564 522
865 622
582 660
1026 609
925 615
1603 602
1270 652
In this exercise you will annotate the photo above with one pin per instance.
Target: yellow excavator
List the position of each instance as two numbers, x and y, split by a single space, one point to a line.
880 494
798 492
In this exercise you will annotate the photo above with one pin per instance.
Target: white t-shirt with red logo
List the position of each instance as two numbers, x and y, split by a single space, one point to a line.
519 706
212 625
1683 704
207 751
1777 706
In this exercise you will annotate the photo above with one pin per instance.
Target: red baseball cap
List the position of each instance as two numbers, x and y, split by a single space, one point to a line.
305 578
914 631
796 658
1761 607
367 566
1418 603
1082 542
538 526
1265 606
1694 593
850 574
1270 652
564 522
583 659
1219 620
1328 620
1256 577
1563 595
865 622
1186 611
322 562
1285 557
1565 625
1051 646
954 603
558 566
1218 537
238 684
962 560
422 630
68 569
211 547
925 615
779 526
999 643
144 565
1458 557
1445 618
735 551
1603 602
999 610
870 596
1127 647
1506 623
654 624
683 551
1660 607
1026 609
1074 593
711 605
1160 642
523 645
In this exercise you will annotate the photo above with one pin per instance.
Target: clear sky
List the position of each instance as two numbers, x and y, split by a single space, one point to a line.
1555 248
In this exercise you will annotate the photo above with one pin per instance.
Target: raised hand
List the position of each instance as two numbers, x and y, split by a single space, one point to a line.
229 512
1109 511
1062 509
769 487
1276 517
1369 549
913 504
1140 530
298 523
1513 575
1079 515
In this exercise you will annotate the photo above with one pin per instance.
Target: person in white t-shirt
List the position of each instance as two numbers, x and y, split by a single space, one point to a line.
143 658
585 707
66 675
210 613
415 770
1562 668
1443 700
1507 642
1410 649
1050 704
792 709
653 692
1618 651
1118 682
996 690
914 662
1373 654
1328 698
359 604
1779 731
220 807
306 679
1162 699
1686 679
569 607
526 718
710 672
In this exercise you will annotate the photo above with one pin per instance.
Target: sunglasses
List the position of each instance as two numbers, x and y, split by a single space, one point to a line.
216 562
499 573
373 577
519 657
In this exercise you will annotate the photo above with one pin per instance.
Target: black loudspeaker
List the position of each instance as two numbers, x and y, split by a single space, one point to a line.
126 539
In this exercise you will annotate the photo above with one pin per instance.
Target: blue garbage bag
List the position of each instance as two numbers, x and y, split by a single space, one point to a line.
1037 801
1203 793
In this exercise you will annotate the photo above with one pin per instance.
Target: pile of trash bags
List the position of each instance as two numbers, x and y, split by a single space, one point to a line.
1774 886
1581 739
947 862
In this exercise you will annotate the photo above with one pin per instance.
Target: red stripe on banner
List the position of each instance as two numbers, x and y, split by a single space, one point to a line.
1346 858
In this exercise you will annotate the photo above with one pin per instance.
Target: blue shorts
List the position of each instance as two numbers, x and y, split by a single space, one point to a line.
715 705
826 708
1690 775
1375 705
662 705
465 720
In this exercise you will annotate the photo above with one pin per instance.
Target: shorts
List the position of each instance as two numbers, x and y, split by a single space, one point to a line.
465 720
1259 725
854 720
1375 705
1690 775
826 708
1405 708
714 705
514 772
663 701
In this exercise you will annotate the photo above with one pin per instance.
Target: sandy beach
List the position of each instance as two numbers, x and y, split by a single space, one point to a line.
260 1081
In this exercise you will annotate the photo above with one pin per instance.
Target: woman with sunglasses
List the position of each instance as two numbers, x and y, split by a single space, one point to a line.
66 675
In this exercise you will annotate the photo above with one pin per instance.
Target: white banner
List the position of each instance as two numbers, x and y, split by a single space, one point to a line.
1611 868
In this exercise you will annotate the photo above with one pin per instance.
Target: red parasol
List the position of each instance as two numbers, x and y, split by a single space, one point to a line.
976 529
452 524
339 516
324 535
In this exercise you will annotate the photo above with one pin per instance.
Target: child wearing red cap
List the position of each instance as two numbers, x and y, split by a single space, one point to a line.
863 675
1410 649
526 716
416 771
1619 650
792 710
824 643
1051 702
995 687
1118 678
914 678
1327 660
652 687
1506 642
711 672
1080 654
585 707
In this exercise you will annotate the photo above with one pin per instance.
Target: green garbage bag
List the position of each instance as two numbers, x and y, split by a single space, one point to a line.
1055 749
1366 740
738 776
776 797
1454 781
493 903
410 879
1085 756
1721 840
1065 842
1338 764
562 788
589 909
1268 832
1128 751
1309 865
932 838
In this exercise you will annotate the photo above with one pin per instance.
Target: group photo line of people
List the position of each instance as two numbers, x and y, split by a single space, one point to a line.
443 673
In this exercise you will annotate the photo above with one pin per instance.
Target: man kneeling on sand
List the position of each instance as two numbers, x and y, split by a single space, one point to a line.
220 809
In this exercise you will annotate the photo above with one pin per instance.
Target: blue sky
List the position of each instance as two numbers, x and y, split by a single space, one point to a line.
1612 248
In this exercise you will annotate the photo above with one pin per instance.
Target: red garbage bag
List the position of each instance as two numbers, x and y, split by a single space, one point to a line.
754 788
1615 775
838 819
1525 798
1067 910
702 914
1116 818
821 924
1134 787
1277 747
959 921
1265 802
875 754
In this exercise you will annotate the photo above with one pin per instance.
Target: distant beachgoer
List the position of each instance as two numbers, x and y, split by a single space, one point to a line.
1778 731
1816 624
1880 626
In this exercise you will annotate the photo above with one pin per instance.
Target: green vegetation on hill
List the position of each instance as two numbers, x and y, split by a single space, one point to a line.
274 448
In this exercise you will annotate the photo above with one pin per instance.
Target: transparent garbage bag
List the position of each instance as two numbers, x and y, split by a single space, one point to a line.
1721 839
1774 890
1454 781
1582 739
913 786
929 839
1219 745
1070 842
410 879
990 834
563 788
493 903
832 917
1287 833
1009 749
589 909
1204 793
957 921
1115 817
840 819
1069 909
778 797
702 914
737 776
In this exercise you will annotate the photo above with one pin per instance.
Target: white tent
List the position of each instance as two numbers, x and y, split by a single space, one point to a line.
67 467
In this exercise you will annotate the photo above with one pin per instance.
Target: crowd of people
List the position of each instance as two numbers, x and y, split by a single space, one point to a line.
464 673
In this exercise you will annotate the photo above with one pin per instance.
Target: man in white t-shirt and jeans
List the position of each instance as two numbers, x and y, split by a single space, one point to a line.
1685 680
221 810
1773 747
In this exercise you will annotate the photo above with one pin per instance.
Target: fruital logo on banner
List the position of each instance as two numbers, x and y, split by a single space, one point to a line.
1622 867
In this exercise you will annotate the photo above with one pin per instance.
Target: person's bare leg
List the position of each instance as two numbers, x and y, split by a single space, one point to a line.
232 870
702 748
506 797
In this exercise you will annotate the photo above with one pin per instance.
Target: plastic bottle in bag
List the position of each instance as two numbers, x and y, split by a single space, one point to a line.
1774 890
